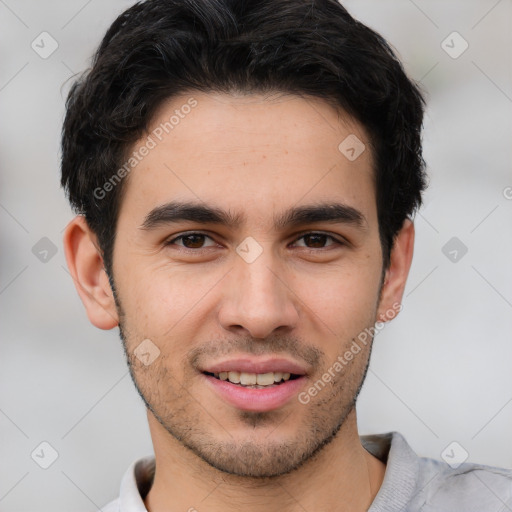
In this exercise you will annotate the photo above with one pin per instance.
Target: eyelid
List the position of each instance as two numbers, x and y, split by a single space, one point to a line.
336 242
170 241
298 236
336 238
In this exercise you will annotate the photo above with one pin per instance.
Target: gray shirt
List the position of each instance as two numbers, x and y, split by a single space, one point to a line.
411 483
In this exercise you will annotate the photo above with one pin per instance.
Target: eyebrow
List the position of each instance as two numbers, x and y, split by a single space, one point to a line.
202 213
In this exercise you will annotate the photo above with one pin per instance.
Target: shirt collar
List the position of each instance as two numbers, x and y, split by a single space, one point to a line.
135 485
402 471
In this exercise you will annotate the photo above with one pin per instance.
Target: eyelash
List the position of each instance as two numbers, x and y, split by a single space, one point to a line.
183 248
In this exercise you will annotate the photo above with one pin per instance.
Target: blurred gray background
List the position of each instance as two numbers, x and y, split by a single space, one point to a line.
440 372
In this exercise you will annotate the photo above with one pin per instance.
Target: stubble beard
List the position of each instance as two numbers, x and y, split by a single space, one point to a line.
183 417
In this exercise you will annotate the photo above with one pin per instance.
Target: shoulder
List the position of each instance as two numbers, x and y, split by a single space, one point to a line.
414 483
469 487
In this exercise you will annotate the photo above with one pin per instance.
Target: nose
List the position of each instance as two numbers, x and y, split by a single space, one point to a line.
259 298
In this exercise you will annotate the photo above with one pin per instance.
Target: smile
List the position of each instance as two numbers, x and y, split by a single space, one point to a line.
254 380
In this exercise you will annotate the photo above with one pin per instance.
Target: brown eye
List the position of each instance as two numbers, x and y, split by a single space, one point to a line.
315 240
193 241
190 241
318 240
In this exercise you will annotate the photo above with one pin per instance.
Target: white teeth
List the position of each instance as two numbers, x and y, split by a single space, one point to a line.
234 377
253 379
265 379
247 379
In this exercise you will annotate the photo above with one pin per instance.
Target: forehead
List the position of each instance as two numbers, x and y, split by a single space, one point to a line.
256 154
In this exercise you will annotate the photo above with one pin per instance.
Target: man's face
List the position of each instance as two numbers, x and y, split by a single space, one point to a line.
260 295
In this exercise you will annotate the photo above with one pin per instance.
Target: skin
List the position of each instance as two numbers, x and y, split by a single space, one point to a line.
305 299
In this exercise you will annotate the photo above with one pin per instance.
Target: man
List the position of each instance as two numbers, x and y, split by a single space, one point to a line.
245 175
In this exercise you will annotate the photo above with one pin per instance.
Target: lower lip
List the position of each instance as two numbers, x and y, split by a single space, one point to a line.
256 400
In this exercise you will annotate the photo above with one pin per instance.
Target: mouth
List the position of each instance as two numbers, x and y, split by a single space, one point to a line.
254 380
257 385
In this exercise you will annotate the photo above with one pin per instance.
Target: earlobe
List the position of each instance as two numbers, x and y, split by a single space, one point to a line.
397 272
85 265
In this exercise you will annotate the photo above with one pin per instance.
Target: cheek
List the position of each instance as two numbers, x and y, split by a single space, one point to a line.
345 297
161 301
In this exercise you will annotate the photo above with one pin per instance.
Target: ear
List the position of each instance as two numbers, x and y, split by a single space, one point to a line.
85 264
397 272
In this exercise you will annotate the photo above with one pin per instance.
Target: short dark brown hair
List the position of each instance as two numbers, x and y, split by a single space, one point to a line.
160 48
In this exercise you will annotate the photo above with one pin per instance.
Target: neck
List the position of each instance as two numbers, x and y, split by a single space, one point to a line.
343 476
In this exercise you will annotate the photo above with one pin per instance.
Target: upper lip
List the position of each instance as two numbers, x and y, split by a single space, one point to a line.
252 365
